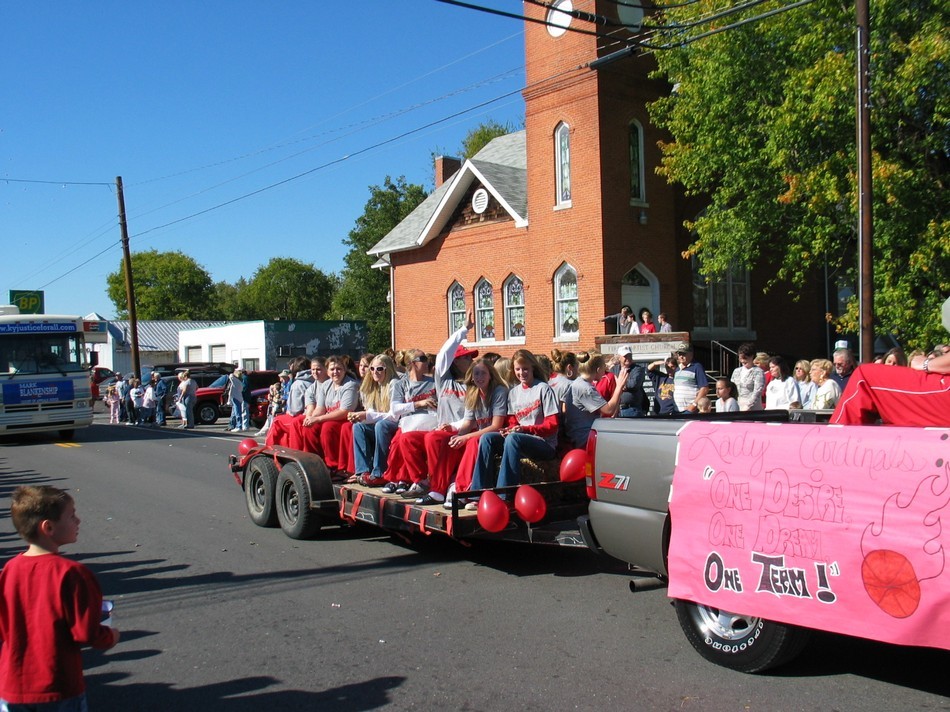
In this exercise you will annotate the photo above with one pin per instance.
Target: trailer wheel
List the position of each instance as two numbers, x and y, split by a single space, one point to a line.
296 518
259 484
738 642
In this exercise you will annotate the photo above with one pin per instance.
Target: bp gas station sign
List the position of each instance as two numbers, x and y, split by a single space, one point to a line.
29 301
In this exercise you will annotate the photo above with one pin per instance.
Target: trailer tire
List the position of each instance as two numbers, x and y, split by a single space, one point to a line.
297 519
738 642
259 484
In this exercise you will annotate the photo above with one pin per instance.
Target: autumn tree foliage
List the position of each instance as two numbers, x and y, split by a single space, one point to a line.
762 119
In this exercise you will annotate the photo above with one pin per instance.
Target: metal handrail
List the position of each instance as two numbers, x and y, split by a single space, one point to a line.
723 358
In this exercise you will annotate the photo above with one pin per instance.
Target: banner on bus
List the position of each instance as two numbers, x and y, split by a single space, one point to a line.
31 392
38 327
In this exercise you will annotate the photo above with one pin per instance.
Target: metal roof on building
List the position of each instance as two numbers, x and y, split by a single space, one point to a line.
158 335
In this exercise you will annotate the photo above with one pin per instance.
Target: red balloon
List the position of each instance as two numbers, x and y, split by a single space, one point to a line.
246 445
492 512
574 466
529 504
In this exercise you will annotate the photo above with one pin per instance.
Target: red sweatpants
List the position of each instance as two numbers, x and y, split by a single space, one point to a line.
441 459
898 395
283 431
322 439
407 457
345 455
466 467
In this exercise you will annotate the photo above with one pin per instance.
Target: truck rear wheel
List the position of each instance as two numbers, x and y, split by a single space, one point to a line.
259 484
297 519
738 642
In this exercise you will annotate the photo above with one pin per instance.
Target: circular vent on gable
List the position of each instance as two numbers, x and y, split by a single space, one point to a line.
480 201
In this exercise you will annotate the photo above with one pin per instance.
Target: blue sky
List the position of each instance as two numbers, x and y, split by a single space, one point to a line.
198 104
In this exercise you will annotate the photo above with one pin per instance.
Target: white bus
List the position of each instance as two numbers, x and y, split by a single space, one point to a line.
46 385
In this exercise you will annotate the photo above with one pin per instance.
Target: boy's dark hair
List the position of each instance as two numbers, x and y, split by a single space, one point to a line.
34 504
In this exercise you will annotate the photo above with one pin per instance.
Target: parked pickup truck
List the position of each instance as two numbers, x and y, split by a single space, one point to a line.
765 530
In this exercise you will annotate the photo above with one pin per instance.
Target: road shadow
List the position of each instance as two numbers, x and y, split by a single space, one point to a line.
829 654
10 542
513 558
107 693
122 573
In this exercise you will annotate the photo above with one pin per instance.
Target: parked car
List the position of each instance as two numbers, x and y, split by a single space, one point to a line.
258 406
211 401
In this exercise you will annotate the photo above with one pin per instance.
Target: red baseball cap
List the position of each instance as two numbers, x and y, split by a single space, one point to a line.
463 351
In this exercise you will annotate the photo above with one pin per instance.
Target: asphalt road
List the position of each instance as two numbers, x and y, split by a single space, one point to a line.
216 613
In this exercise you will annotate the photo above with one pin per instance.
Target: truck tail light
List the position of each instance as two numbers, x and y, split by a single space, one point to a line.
589 468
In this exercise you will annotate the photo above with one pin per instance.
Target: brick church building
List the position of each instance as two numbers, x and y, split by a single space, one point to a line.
547 230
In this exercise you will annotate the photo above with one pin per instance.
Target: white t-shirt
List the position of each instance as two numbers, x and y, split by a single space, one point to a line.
826 396
781 394
727 405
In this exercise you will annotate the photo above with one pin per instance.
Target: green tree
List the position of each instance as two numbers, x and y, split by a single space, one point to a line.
168 285
229 301
763 124
363 290
479 137
286 288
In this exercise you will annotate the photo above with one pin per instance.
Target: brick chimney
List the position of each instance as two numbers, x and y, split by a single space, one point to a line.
445 168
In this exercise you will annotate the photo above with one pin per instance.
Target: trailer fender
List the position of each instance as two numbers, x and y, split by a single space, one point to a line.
314 470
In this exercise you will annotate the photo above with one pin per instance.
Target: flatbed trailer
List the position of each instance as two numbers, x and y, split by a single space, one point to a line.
296 491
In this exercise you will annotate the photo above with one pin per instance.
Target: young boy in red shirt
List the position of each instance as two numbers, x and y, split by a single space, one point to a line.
49 607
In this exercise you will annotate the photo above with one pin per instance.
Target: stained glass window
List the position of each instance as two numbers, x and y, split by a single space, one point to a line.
514 308
456 307
484 310
562 138
567 321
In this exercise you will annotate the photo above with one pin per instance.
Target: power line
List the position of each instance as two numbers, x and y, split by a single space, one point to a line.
343 112
334 162
732 26
54 182
524 18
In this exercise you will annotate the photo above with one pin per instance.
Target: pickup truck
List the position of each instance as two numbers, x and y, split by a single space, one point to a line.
767 530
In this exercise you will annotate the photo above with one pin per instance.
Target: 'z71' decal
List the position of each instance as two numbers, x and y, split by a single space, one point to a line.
614 482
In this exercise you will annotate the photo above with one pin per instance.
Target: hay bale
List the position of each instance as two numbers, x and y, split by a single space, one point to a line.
543 471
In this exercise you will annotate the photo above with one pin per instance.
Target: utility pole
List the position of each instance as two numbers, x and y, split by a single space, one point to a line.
129 288
865 221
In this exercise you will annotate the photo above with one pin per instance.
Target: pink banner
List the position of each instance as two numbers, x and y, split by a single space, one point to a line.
838 528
